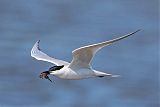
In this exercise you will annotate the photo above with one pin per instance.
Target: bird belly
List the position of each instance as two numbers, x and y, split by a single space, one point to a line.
76 74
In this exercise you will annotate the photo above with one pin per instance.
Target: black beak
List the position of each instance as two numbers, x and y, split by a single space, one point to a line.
49 79
44 75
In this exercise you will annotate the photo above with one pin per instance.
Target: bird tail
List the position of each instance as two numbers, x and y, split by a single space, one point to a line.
102 74
115 75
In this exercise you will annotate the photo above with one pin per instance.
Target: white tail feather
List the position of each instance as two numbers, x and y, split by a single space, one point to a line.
101 74
115 75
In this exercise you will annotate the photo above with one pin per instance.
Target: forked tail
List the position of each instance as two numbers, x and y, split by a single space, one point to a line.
103 74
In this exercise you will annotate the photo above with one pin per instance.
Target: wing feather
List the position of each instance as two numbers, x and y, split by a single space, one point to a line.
39 55
82 56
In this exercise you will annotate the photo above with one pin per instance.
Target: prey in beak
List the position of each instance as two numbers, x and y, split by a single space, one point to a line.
44 75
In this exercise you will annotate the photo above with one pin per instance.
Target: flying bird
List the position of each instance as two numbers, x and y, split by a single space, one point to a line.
79 67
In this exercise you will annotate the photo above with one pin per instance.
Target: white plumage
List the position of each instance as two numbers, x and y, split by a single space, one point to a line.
79 68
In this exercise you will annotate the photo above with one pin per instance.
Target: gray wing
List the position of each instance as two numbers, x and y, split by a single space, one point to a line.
82 56
39 55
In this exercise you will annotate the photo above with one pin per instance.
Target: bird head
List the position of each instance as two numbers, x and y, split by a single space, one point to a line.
52 70
44 75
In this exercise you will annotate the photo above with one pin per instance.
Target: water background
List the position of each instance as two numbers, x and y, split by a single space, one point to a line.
64 25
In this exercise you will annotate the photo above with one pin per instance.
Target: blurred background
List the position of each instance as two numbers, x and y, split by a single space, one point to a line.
64 25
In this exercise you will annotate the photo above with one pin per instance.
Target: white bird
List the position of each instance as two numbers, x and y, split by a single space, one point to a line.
80 67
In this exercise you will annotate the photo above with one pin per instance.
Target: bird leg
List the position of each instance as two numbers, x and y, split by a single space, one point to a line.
44 75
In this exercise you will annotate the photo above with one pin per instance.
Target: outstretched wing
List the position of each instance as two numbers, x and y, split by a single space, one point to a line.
83 55
39 55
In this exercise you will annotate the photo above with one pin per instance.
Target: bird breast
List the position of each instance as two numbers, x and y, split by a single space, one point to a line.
68 73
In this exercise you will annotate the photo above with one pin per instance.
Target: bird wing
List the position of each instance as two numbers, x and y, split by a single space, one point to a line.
39 55
82 56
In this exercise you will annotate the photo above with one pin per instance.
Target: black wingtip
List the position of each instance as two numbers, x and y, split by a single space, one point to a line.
38 44
134 32
38 41
138 30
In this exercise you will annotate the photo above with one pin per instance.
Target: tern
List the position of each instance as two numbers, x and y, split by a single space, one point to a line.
80 67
